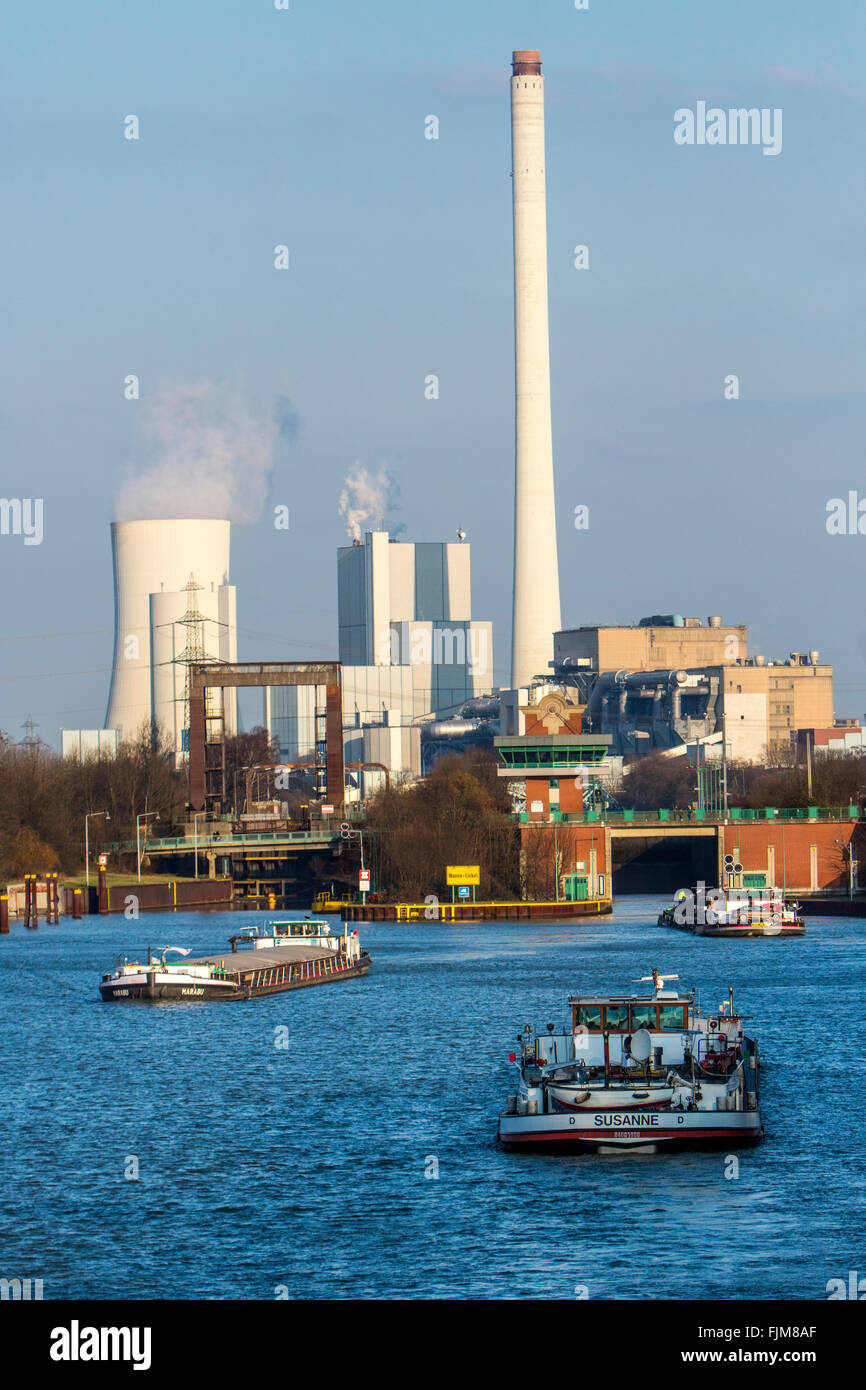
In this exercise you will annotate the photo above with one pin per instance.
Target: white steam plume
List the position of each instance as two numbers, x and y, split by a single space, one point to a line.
210 456
368 497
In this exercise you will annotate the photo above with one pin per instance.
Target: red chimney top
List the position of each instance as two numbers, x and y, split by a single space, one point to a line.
526 61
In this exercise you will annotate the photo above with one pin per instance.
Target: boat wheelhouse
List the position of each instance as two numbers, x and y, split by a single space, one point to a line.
307 931
638 1071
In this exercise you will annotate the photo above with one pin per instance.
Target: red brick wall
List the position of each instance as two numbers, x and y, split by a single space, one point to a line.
537 789
797 839
570 795
574 843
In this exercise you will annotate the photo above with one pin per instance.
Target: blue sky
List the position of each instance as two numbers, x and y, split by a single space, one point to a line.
306 127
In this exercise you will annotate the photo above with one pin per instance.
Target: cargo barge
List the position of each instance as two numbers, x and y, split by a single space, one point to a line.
475 912
287 955
732 912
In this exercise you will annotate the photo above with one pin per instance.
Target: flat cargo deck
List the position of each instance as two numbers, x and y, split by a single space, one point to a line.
241 962
280 968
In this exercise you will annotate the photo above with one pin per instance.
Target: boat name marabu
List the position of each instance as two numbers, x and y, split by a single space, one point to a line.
192 991
624 1118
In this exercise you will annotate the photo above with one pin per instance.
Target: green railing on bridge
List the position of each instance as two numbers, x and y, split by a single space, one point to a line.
601 816
204 841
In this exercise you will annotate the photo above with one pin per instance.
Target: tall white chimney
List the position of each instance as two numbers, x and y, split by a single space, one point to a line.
536 572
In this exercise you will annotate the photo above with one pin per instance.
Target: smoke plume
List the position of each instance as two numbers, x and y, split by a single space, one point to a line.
369 497
209 455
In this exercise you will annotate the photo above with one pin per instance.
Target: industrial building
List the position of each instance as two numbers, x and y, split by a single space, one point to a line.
174 606
85 743
847 737
670 681
653 643
410 652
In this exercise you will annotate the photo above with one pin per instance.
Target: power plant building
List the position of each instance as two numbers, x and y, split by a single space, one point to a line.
173 605
670 681
409 649
668 640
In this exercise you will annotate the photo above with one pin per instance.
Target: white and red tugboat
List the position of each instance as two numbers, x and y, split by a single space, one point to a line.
640 1072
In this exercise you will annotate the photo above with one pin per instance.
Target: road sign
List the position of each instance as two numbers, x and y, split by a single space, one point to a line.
363 879
462 873
327 810
103 860
463 892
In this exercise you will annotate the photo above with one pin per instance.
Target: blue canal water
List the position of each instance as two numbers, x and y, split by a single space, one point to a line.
266 1169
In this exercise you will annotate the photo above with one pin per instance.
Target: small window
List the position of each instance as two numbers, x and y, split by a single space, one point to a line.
643 1016
589 1017
672 1017
616 1018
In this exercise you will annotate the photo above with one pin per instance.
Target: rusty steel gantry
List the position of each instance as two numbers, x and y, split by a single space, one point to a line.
207 727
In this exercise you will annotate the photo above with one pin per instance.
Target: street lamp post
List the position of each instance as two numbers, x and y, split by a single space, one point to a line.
347 833
848 851
90 815
144 816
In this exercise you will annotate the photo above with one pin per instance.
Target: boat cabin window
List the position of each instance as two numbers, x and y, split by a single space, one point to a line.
588 1016
616 1018
672 1017
643 1016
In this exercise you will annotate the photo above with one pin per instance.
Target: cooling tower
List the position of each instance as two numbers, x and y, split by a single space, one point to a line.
536 573
153 561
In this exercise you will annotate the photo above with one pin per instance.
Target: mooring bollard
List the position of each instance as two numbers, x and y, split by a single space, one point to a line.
31 915
4 913
51 916
77 901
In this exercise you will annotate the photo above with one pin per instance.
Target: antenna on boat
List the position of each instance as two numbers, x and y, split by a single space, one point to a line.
657 979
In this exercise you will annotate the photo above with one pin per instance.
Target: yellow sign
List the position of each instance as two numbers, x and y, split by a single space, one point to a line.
462 874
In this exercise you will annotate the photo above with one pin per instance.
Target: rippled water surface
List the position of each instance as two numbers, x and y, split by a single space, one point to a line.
303 1167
